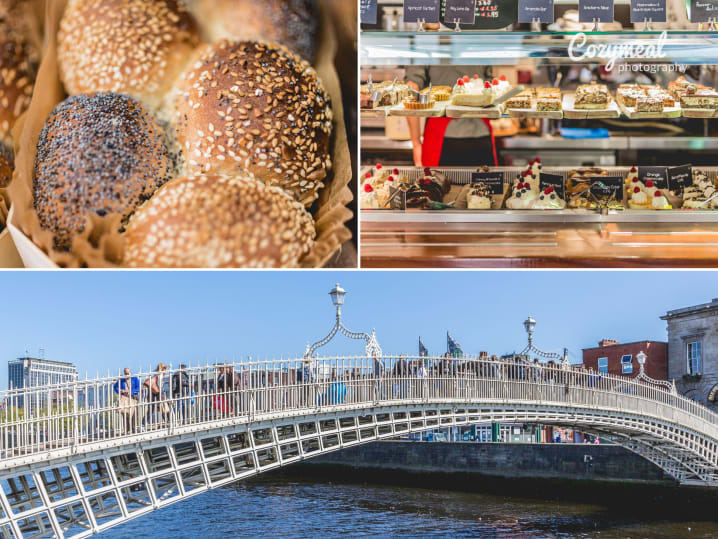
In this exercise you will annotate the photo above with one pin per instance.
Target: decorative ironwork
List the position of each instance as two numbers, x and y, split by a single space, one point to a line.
372 348
530 325
670 386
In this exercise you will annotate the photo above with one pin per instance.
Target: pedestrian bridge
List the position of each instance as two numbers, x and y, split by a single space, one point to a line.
79 458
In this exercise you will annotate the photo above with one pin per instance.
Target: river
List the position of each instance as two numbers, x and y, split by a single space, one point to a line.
279 505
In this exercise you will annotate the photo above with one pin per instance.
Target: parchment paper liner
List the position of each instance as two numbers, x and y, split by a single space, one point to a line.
100 245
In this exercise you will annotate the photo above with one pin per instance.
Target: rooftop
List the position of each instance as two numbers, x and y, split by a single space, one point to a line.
623 344
693 309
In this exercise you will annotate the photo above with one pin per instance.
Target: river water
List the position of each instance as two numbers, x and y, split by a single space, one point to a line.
286 506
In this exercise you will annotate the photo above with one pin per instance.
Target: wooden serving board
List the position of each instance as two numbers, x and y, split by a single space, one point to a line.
611 111
700 113
460 111
668 112
533 113
437 111
379 112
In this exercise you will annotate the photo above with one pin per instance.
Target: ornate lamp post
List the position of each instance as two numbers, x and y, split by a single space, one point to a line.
530 327
641 358
372 348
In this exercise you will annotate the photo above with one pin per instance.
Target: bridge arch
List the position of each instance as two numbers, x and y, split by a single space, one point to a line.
60 477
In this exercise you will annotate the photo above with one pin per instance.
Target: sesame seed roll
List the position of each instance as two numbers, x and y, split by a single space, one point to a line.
255 107
6 165
17 75
137 47
218 221
103 153
292 23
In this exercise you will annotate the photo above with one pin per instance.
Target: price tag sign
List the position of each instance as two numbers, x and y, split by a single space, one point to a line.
368 9
536 10
704 10
642 10
605 186
398 198
493 180
656 174
679 177
598 10
553 180
425 10
461 11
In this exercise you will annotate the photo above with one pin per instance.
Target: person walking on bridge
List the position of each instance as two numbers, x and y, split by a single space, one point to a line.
181 392
128 388
158 409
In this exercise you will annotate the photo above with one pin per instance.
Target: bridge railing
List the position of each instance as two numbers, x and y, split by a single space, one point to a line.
39 420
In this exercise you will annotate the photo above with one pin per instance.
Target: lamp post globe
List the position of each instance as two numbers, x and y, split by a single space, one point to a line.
641 358
337 294
530 325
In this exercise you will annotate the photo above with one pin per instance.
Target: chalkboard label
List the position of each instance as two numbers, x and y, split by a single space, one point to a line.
590 10
552 180
493 180
368 9
425 10
642 10
656 174
398 200
605 186
461 11
489 15
704 10
680 177
540 10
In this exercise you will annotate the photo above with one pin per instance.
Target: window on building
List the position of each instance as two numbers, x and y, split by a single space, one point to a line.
627 364
603 365
693 353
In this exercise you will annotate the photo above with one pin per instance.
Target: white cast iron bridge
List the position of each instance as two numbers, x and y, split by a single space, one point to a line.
81 457
76 459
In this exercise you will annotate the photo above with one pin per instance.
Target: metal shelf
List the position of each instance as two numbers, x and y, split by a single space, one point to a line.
509 48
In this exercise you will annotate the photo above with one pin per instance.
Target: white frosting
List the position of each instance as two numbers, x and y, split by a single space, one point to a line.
550 201
521 199
659 203
475 202
639 198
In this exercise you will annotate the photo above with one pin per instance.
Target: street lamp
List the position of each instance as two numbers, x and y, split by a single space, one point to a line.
641 358
372 346
530 326
337 294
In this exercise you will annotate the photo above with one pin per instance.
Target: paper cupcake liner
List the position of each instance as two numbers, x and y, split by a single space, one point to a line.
101 245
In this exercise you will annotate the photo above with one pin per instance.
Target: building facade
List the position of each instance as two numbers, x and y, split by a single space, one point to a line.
693 351
27 372
612 357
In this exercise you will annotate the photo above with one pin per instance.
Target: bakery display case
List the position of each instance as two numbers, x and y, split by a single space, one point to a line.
588 148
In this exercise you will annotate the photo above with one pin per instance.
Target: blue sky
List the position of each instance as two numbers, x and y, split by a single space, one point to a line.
101 320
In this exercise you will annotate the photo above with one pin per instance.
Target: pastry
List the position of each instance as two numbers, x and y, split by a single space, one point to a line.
101 154
522 197
639 199
649 104
659 201
438 93
650 188
699 195
383 94
548 200
137 47
429 188
216 221
244 105
478 197
411 103
702 98
520 101
592 96
368 198
472 93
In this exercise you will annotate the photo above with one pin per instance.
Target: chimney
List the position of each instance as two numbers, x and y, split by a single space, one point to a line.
606 342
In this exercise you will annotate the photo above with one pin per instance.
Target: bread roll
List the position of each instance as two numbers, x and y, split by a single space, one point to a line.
6 166
18 62
255 107
216 221
137 47
292 23
103 154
